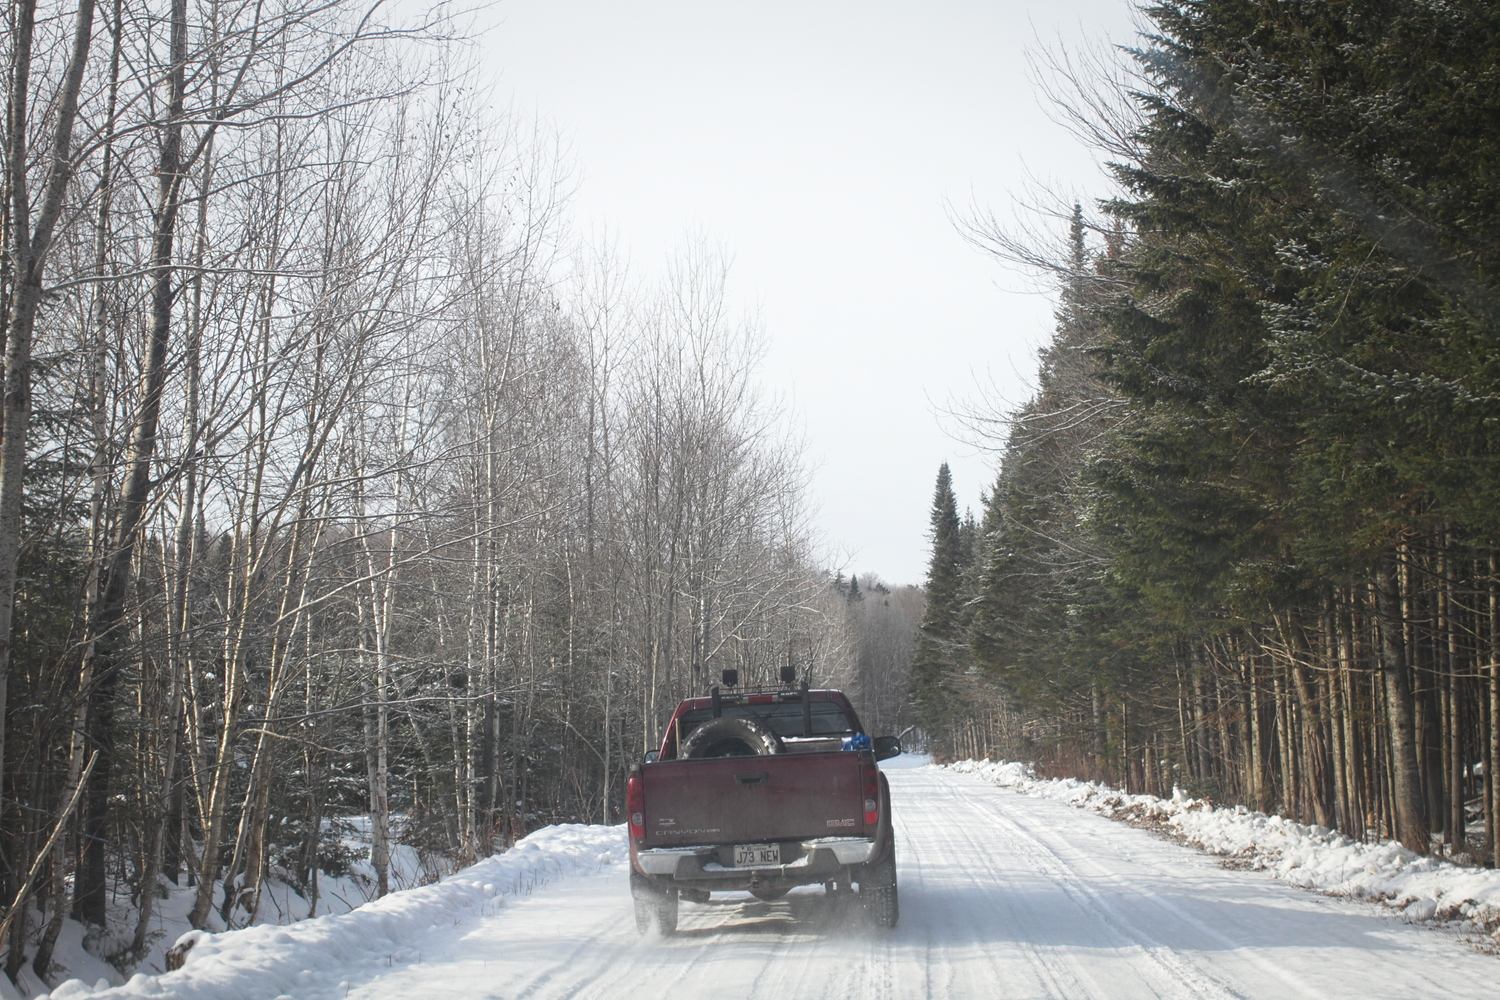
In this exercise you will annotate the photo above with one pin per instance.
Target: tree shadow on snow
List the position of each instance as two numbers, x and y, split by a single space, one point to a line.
1105 916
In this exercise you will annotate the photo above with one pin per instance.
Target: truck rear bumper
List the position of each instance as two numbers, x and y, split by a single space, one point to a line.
702 865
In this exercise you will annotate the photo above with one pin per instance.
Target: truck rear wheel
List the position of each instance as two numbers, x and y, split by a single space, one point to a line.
666 913
730 737
659 910
654 904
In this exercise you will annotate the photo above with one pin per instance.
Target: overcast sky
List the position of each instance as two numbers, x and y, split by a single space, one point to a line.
825 144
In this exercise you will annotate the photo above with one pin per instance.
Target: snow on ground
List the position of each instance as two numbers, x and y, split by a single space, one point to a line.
353 886
1424 889
280 904
1003 896
321 954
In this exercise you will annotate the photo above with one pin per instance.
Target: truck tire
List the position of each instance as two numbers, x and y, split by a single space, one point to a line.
660 910
666 913
730 737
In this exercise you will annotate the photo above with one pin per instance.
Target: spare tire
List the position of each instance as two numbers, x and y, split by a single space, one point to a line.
730 737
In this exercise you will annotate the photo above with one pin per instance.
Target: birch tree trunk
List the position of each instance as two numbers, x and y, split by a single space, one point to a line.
136 488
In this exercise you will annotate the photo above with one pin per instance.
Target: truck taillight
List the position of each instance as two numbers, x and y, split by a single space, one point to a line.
869 780
635 805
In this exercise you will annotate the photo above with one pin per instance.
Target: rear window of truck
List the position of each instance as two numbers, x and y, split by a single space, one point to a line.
784 719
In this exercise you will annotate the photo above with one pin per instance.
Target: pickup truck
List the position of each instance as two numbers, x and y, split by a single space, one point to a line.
761 790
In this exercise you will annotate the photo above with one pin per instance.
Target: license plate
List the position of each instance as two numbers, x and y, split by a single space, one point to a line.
756 855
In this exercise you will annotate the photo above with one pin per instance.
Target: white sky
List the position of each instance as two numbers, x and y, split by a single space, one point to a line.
822 143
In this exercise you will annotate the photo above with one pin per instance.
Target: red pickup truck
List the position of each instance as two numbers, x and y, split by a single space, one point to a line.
761 790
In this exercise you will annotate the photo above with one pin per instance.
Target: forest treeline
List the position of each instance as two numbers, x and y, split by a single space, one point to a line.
339 477
1245 538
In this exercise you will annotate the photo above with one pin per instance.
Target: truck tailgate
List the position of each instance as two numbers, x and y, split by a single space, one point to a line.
729 800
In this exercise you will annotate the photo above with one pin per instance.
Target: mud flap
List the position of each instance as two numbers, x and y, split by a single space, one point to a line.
877 890
877 874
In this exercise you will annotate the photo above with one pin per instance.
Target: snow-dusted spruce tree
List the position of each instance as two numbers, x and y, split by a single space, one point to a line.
951 703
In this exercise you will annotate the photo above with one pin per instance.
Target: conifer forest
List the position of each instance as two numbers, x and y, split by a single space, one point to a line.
341 478
1243 539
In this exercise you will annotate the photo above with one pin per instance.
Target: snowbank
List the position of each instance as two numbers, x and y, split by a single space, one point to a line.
314 958
1424 889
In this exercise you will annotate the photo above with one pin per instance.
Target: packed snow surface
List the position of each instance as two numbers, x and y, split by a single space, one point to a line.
1313 857
1003 895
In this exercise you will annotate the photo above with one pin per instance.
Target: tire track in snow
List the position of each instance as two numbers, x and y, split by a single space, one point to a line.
1077 859
1166 972
969 851
960 893
1003 898
1247 933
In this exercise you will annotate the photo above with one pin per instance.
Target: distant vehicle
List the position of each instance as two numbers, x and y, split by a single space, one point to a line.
761 790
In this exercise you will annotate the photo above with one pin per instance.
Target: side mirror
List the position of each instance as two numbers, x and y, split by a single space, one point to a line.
887 746
651 756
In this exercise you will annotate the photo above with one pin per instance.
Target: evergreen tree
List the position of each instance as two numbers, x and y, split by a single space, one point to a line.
1040 619
941 653
1296 459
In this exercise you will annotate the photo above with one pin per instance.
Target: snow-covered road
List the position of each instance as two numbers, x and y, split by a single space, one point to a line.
1002 895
